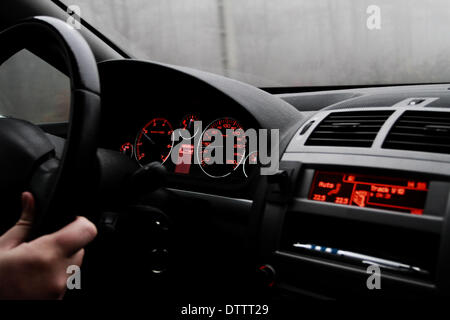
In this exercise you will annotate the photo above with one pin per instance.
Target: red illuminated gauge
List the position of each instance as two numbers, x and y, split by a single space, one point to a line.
188 121
250 160
214 160
127 149
154 141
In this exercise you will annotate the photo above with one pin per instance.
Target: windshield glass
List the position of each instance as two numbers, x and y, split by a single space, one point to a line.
271 43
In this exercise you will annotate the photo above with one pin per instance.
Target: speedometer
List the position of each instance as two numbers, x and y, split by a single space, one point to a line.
214 161
154 141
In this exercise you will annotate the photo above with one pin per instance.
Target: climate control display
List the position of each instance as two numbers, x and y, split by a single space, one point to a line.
399 194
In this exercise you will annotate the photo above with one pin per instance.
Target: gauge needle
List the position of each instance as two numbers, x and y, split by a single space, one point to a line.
189 127
149 139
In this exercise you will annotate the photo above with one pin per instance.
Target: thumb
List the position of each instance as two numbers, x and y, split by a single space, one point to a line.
19 233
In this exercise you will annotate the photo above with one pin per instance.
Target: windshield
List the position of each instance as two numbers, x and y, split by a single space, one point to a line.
283 43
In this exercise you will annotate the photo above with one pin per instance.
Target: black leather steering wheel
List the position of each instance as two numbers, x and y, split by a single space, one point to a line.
28 160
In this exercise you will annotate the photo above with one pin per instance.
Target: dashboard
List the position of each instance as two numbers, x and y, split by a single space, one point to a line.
364 180
177 116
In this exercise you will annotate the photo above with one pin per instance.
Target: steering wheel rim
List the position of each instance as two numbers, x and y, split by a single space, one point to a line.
55 182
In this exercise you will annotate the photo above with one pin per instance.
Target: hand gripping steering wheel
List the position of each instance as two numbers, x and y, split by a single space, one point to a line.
28 160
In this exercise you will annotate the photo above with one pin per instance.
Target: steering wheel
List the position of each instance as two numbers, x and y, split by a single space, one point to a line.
28 159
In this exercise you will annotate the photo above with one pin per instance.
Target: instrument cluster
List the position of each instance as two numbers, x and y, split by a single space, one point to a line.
190 146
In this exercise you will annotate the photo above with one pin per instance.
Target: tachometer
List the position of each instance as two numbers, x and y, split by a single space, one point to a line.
214 160
154 141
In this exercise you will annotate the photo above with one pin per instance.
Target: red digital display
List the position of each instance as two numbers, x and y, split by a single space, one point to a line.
399 194
185 153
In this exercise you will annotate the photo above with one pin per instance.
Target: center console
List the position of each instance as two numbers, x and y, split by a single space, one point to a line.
332 212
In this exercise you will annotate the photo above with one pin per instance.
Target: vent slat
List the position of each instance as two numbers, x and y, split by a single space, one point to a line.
361 116
356 121
348 129
426 131
423 123
421 131
415 118
432 145
410 135
360 128
323 132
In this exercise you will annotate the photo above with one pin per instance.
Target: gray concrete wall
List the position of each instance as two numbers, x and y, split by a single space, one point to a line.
285 42
263 42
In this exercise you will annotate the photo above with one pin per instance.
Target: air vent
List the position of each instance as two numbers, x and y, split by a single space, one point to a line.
427 131
348 129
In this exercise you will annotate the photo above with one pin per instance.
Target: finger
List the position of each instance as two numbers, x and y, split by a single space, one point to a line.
77 258
20 232
74 236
